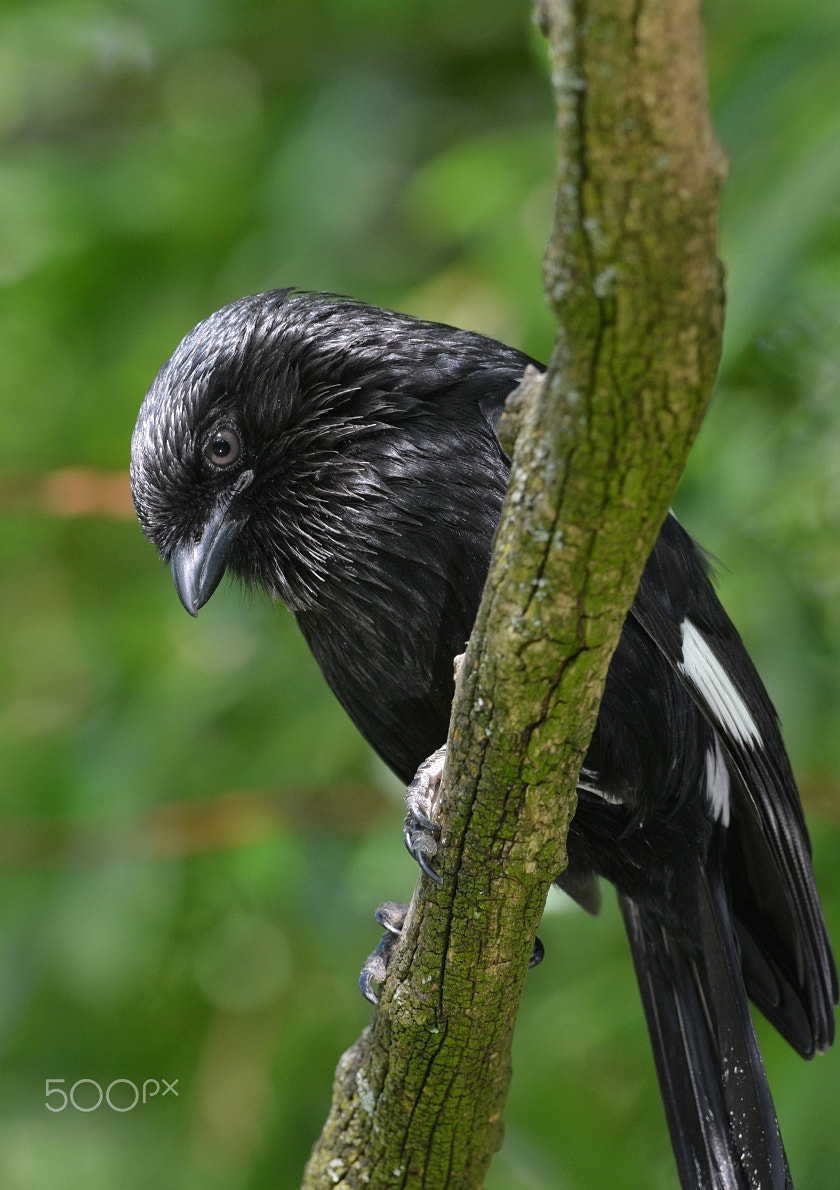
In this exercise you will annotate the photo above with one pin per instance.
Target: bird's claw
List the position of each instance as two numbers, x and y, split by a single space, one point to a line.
392 916
422 797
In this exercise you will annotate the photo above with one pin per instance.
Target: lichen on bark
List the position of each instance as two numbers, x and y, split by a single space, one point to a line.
598 446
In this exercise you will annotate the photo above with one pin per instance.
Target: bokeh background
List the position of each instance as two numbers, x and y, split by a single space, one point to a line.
192 836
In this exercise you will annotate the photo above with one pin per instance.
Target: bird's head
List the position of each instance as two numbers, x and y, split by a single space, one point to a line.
294 438
238 449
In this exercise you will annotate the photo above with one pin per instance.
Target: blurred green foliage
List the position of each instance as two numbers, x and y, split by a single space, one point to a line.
192 836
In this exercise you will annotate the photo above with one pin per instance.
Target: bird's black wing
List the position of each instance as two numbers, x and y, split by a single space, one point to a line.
788 966
787 962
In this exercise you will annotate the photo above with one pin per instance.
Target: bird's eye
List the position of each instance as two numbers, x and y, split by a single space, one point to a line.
223 448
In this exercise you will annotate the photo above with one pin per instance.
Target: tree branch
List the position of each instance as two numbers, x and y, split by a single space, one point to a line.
600 444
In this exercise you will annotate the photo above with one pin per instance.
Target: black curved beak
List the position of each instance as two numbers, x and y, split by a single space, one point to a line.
198 566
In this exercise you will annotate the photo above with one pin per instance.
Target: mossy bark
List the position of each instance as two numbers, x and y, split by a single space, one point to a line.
598 446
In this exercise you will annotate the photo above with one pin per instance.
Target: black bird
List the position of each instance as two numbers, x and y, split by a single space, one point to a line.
345 459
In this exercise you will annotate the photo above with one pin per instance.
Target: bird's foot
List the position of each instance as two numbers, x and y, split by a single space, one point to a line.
392 916
422 797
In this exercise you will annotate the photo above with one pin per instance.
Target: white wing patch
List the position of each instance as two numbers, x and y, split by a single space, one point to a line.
714 685
717 783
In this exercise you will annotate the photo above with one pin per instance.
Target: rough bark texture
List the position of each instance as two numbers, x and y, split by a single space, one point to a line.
598 448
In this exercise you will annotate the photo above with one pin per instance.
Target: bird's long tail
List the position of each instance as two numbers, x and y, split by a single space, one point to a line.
720 1113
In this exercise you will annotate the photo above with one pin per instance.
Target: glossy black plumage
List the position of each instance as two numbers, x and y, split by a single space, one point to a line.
345 459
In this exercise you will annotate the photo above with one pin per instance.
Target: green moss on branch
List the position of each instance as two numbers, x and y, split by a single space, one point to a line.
600 444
